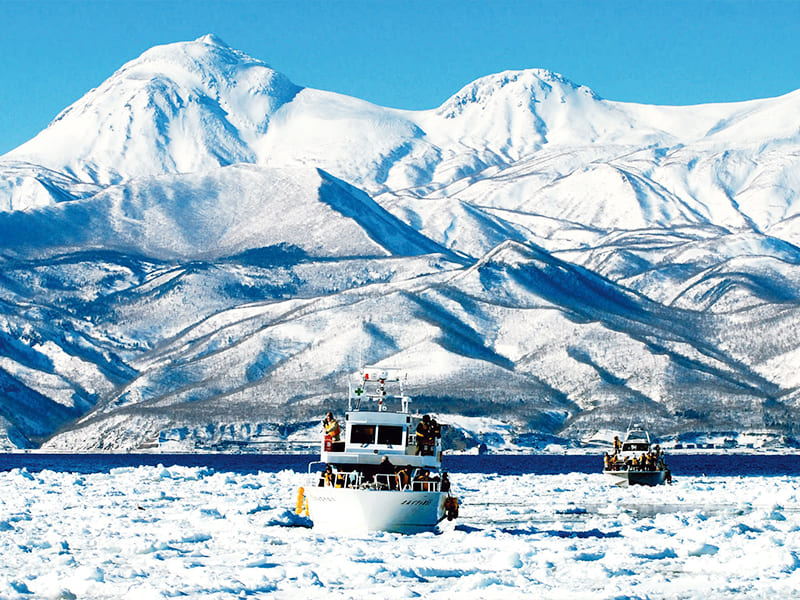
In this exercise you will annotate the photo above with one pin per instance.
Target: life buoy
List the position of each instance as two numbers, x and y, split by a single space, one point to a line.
301 500
451 507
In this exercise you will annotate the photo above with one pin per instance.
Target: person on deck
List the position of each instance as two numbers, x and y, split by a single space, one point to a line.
423 433
421 480
404 476
332 427
435 431
651 461
386 470
327 477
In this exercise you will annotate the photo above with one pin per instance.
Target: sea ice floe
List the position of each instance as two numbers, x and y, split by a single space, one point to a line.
160 532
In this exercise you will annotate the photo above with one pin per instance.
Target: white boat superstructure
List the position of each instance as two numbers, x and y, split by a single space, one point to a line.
385 473
636 460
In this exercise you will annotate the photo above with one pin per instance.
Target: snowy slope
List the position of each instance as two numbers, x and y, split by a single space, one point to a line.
492 334
195 105
200 242
178 108
215 214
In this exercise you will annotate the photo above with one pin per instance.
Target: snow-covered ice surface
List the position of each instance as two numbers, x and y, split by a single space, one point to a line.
157 532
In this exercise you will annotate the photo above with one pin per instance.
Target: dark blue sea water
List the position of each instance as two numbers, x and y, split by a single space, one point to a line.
712 465
729 465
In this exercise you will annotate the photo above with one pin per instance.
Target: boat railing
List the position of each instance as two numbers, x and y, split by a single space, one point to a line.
627 465
314 466
338 479
373 388
425 486
619 466
397 482
380 481
386 481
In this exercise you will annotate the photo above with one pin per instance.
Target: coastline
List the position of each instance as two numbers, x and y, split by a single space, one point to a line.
504 451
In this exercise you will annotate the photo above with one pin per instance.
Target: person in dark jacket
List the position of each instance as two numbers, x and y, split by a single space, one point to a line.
423 433
387 471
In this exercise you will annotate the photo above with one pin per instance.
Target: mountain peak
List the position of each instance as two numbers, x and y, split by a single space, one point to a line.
180 107
212 40
524 87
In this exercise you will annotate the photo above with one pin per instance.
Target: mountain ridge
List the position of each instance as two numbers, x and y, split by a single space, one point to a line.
200 248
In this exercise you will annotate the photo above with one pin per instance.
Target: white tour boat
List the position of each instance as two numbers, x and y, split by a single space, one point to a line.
378 478
636 461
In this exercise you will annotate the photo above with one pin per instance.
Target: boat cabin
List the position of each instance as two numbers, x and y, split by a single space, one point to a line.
636 440
378 424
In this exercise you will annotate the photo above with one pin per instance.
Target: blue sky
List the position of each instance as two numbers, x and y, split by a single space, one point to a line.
409 54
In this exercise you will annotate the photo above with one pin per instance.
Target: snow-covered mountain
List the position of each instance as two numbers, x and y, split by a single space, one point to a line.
201 250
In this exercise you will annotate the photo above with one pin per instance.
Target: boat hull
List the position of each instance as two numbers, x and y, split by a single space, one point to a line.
358 511
626 478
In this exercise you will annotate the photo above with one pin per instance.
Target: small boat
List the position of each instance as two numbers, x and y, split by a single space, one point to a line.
636 461
382 476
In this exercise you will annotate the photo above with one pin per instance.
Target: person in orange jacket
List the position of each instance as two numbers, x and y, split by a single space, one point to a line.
332 427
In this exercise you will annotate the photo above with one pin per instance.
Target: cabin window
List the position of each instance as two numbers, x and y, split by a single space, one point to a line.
362 434
634 447
390 435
